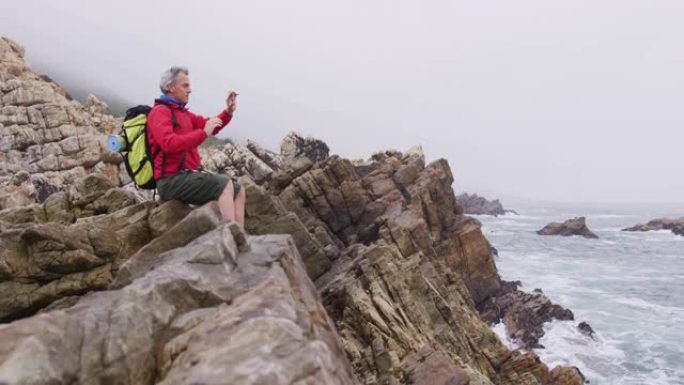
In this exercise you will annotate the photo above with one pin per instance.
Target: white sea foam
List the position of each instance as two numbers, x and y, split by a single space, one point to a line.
566 345
500 330
628 286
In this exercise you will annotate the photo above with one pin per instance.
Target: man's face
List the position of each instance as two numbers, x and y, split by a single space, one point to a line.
180 88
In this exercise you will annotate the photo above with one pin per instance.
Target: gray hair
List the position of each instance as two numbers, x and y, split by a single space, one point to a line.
169 76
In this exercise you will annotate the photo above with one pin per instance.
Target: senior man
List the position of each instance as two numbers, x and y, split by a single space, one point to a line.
175 133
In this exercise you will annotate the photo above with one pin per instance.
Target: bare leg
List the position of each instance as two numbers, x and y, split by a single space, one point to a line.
225 202
240 206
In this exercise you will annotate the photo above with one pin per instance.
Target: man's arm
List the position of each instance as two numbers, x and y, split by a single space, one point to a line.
200 121
161 126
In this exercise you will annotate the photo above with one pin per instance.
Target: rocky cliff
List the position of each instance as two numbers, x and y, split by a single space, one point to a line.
348 272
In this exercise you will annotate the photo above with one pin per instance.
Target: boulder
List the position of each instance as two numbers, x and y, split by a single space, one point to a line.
574 226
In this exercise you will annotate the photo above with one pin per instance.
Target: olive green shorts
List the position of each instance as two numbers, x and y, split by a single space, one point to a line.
194 187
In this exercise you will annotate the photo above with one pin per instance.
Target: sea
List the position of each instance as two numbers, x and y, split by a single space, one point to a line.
629 286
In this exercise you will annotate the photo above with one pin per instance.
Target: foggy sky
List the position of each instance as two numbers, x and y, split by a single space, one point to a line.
576 100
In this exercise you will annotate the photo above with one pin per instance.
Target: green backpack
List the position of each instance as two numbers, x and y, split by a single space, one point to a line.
133 144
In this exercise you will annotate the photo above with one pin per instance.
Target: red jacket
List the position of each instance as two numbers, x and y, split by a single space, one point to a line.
176 141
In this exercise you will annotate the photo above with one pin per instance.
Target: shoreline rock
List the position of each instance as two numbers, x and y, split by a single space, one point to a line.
574 226
523 314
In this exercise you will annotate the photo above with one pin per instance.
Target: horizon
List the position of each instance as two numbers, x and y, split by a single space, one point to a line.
564 103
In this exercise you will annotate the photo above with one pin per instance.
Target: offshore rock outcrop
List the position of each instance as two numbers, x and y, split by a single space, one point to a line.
674 225
574 226
376 279
477 205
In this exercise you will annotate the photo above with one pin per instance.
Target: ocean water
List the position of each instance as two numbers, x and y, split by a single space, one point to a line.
628 286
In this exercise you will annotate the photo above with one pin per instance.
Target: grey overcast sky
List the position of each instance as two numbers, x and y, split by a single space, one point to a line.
574 100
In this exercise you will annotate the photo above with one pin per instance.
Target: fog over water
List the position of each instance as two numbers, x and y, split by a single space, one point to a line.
573 101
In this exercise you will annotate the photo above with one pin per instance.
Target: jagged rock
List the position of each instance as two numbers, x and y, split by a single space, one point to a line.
523 314
477 205
206 313
294 146
267 215
235 160
586 329
674 225
269 157
291 170
575 226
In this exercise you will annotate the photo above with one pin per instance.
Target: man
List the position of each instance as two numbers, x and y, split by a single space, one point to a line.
175 134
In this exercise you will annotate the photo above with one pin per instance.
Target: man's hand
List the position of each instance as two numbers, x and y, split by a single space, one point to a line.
231 103
211 125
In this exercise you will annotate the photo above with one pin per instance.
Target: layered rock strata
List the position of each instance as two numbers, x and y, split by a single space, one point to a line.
47 141
574 226
400 268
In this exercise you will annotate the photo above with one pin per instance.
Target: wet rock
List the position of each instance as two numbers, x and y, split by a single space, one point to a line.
574 226
586 329
674 225
523 314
